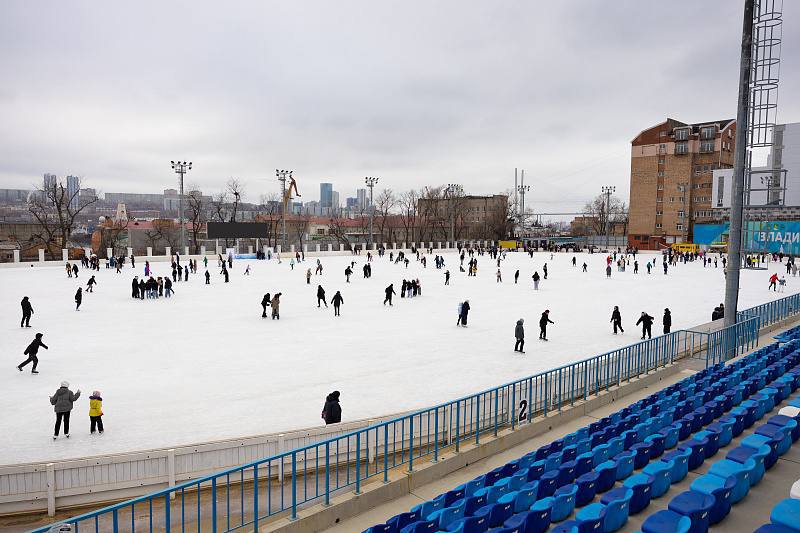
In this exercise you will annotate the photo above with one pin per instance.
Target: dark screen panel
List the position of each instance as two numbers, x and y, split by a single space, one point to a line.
237 230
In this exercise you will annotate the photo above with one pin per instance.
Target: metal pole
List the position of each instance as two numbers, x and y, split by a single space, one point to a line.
180 214
739 163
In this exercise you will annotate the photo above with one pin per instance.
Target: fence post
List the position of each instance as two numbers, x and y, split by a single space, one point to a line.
386 453
410 440
281 448
51 489
436 435
327 472
171 470
294 485
358 464
372 452
255 497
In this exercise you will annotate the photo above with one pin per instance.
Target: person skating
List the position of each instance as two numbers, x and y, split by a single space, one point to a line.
168 290
265 301
773 282
347 273
519 334
543 321
647 324
31 351
69 270
516 276
208 278
27 311
90 284
447 277
544 267
75 270
608 271
337 301
62 401
276 306
536 280
225 274
499 276
636 267
247 270
142 287
332 411
95 412
78 299
585 266
574 261
463 313
389 291
308 277
616 319
665 268
667 321
321 296
135 287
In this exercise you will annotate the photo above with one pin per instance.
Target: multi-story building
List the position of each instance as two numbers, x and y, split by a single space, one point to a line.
49 181
335 205
73 188
363 201
671 178
466 217
325 194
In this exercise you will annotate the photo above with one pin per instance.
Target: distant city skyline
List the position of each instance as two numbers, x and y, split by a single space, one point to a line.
444 93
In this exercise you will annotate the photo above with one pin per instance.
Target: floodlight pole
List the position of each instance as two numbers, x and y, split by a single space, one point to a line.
370 181
608 190
181 168
282 176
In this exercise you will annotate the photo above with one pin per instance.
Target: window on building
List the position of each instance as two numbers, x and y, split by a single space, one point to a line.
679 227
659 200
682 134
705 168
697 170
660 173
671 199
706 146
720 189
658 225
681 214
662 133
681 148
660 161
660 187
708 132
681 199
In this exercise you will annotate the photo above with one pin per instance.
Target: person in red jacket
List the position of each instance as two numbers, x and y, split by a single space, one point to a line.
773 282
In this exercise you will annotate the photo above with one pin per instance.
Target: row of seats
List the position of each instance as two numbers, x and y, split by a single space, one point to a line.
692 418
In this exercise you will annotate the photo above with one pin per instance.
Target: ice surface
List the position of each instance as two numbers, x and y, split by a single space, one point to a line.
205 366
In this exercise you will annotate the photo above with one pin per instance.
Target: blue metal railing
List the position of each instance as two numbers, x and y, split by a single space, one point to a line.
244 496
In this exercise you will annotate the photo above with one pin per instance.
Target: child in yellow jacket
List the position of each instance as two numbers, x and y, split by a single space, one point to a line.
96 411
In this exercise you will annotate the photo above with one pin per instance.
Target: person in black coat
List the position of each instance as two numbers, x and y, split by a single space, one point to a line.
389 292
337 301
78 299
616 319
332 411
135 287
463 314
31 351
519 334
27 311
265 301
647 324
543 324
667 321
321 296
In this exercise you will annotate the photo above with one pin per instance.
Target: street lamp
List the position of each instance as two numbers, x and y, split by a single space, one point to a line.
370 181
283 175
522 189
181 168
451 190
608 190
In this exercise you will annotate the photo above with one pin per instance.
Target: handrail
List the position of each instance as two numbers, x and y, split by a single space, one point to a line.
347 460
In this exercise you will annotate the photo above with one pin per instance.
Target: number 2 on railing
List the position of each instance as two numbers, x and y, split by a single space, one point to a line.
523 411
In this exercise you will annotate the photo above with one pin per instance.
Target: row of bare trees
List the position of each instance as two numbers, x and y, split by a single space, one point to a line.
56 208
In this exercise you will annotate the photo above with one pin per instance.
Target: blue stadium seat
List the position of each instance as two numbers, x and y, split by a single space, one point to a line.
660 471
742 454
624 462
617 502
781 434
695 505
401 520
786 423
563 502
666 521
587 488
607 475
680 463
421 526
496 513
720 489
787 514
641 485
697 449
725 468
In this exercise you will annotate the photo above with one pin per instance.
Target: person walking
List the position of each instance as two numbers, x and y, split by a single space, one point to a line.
95 412
773 282
516 277
62 402
543 321
463 314
536 279
667 321
225 274
332 410
75 270
608 271
78 299
519 335
544 267
447 277
585 266
308 277
168 291
347 273
135 287
337 301
389 291
265 301
499 276
276 306
208 278
31 351
647 323
27 311
616 319
321 296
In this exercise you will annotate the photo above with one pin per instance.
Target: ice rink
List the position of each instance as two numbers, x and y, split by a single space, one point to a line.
204 365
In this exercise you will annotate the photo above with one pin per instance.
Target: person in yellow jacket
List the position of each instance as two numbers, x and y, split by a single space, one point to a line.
96 411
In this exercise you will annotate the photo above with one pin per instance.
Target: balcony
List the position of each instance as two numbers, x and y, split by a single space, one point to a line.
681 148
706 147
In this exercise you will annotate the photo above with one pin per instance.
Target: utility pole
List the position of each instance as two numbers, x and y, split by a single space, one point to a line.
608 190
684 188
370 181
282 176
522 189
452 189
181 168
739 164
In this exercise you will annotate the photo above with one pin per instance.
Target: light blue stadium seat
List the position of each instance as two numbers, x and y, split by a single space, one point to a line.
564 502
496 513
624 462
739 471
421 526
660 471
641 485
617 502
787 514
720 489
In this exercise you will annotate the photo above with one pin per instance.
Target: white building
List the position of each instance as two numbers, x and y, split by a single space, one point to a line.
785 156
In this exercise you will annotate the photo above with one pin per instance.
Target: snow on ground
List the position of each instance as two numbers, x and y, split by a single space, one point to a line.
205 366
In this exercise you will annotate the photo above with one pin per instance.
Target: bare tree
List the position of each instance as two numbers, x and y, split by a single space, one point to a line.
197 215
270 208
234 188
219 206
165 231
597 213
408 214
55 209
337 226
112 234
384 205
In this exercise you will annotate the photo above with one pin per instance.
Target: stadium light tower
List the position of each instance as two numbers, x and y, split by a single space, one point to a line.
181 168
608 190
370 181
451 190
522 189
283 175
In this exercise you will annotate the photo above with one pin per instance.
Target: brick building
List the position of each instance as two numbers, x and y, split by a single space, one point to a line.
671 178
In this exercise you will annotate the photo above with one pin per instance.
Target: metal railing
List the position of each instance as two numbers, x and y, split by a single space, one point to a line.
244 496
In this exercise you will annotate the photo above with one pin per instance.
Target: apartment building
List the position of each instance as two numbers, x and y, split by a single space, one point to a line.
671 179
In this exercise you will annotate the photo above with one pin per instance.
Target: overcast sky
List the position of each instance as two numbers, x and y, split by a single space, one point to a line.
414 92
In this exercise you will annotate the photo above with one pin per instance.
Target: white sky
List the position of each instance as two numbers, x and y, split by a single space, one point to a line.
411 91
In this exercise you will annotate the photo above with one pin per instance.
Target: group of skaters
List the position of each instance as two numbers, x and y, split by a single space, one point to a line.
645 320
63 401
519 331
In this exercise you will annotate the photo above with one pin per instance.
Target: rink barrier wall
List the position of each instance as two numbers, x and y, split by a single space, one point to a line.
297 469
308 250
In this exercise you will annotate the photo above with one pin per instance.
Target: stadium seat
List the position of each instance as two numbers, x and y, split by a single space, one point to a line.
787 514
563 502
624 462
421 526
607 475
617 502
720 489
660 471
725 468
680 463
695 505
587 488
666 521
641 485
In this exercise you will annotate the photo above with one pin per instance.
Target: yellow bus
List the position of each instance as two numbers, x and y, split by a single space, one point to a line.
509 245
683 247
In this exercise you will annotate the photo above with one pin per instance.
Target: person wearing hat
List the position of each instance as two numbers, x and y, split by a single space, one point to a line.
96 412
543 321
332 411
62 402
31 351
519 333
27 311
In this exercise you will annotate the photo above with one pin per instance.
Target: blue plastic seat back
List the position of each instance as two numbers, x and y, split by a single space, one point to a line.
421 526
786 513
398 522
666 521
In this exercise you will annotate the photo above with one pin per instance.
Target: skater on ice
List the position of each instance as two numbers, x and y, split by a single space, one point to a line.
667 321
62 401
389 291
337 301
276 306
543 321
78 299
616 320
463 313
95 412
31 351
265 301
519 335
321 296
647 324
90 284
332 411
27 311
